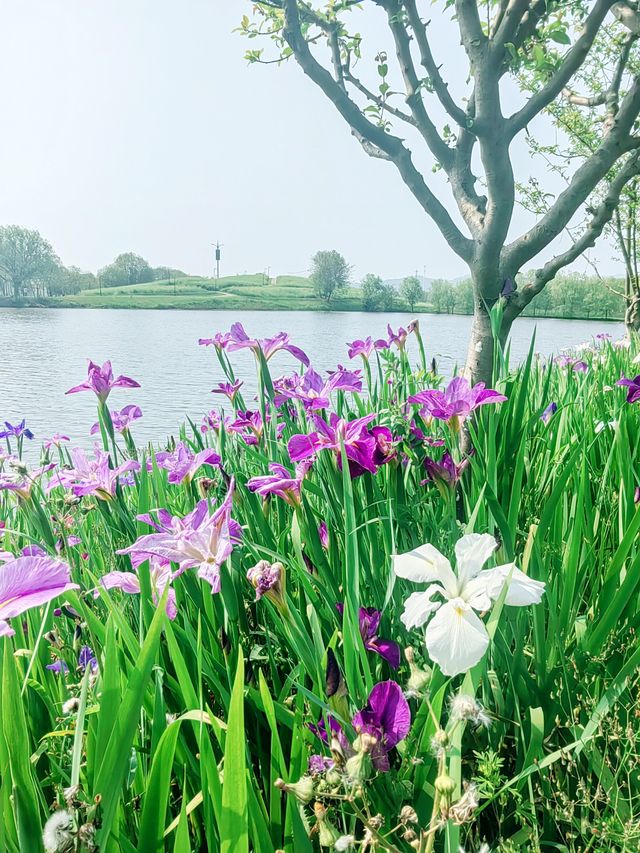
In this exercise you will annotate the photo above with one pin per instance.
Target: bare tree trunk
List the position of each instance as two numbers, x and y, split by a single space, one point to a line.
479 365
632 314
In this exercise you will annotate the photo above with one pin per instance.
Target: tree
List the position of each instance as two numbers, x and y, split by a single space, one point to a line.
411 291
27 262
463 297
329 274
371 286
127 268
442 296
499 39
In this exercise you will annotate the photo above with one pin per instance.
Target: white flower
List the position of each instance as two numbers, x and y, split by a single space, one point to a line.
456 637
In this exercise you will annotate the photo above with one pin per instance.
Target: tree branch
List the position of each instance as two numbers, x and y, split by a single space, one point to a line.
373 135
473 37
601 216
570 64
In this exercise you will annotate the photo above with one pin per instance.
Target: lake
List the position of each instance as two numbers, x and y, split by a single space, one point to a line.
44 352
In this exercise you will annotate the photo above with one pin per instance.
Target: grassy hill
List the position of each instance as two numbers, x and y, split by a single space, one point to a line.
284 293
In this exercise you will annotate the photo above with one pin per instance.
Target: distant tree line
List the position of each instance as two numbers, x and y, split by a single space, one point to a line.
31 269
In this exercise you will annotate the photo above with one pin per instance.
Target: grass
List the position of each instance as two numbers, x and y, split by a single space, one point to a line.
176 739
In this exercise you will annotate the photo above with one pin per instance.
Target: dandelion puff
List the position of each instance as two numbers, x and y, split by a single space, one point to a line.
345 842
57 834
70 706
465 708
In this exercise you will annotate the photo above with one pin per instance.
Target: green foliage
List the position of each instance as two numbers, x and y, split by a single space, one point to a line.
411 291
329 274
27 263
127 268
376 295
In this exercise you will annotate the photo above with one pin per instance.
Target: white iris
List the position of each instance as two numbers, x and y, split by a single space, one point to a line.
456 637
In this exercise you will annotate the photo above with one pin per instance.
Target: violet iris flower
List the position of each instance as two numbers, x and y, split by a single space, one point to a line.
120 420
443 473
386 717
457 401
360 445
549 412
211 421
100 380
281 482
249 425
369 622
220 341
323 534
28 582
91 476
160 575
203 540
182 463
366 347
87 658
633 394
229 389
16 430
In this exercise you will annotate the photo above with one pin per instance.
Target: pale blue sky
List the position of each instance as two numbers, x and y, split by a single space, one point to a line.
137 125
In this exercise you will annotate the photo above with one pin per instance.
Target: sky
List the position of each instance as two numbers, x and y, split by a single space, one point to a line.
137 125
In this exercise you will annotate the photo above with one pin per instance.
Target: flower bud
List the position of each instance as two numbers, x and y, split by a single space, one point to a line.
328 835
359 766
408 815
302 790
445 785
268 579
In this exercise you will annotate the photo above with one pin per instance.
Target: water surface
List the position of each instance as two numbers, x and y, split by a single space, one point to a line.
44 352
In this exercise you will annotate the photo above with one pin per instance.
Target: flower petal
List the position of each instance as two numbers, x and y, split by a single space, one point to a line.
456 638
419 606
522 590
472 552
424 565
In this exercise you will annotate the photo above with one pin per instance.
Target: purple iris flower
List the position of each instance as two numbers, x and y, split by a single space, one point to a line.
369 622
202 540
59 667
229 389
281 482
443 473
28 582
182 463
580 367
91 476
249 425
121 420
457 401
211 421
100 380
508 288
160 575
313 391
319 764
238 339
366 347
16 430
323 533
549 412
603 336
633 394
387 717
360 445
385 445
86 658
398 338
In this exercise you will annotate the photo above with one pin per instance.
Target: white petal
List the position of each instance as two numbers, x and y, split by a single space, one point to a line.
472 552
456 638
424 565
522 590
419 606
475 593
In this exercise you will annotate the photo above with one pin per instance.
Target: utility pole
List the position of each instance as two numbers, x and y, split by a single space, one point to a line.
218 246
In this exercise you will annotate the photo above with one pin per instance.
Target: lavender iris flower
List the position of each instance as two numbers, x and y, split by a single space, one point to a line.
398 338
386 717
360 445
633 394
22 481
121 420
238 339
87 658
182 463
16 430
457 401
249 425
59 667
366 348
220 341
100 380
369 622
160 575
549 412
91 476
28 582
55 441
202 540
281 482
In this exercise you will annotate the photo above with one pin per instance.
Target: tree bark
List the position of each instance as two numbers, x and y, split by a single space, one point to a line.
632 314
